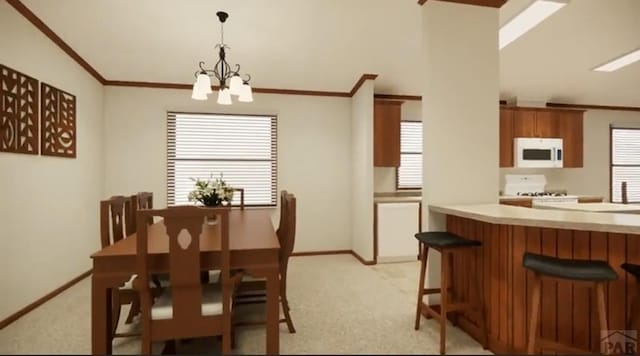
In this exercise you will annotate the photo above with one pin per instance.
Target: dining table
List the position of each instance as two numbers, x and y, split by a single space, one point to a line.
254 248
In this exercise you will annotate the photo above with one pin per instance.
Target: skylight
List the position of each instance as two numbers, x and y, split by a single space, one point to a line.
529 18
620 62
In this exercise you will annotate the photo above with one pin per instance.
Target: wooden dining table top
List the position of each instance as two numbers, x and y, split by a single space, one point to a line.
249 229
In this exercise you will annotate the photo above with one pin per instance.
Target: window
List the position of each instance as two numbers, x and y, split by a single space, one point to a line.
241 147
409 175
625 163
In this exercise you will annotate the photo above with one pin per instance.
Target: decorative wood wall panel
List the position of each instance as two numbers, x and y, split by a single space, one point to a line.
18 112
58 135
568 312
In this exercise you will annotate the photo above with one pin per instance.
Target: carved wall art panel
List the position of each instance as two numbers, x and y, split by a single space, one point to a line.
18 112
58 122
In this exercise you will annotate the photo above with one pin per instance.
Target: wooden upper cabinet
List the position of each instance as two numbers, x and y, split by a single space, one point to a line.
571 125
535 123
544 123
386 133
506 137
547 125
524 123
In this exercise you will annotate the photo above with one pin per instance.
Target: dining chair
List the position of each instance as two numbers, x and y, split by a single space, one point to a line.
188 308
241 190
115 219
140 200
253 290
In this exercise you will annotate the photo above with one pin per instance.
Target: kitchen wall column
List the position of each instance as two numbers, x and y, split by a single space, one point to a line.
459 111
362 171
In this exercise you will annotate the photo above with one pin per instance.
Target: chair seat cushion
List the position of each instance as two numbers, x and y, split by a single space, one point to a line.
582 270
632 268
250 278
128 285
443 239
211 303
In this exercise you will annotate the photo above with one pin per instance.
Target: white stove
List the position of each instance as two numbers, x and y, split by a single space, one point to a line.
532 185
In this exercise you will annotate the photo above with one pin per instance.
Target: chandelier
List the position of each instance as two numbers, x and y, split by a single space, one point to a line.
230 82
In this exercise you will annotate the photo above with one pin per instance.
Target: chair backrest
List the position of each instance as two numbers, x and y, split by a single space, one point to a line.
115 219
141 200
625 198
283 206
287 235
241 190
184 225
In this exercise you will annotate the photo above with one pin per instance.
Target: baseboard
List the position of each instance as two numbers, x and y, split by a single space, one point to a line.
362 260
320 253
22 312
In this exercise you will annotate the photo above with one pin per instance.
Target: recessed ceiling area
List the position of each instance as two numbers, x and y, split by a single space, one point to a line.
328 44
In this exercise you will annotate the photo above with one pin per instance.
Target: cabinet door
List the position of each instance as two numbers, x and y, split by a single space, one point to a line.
386 134
571 128
506 137
524 123
547 124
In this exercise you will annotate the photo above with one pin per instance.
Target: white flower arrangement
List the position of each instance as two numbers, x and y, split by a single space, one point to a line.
211 192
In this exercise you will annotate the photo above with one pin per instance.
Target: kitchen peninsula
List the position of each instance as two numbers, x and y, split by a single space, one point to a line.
568 311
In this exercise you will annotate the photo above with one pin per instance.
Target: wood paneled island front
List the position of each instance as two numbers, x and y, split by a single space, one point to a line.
567 310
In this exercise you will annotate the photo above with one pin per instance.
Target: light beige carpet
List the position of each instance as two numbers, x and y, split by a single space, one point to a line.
338 306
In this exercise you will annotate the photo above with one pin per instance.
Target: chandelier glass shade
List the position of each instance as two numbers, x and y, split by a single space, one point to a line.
230 83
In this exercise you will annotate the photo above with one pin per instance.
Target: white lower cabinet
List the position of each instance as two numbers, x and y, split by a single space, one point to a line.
396 225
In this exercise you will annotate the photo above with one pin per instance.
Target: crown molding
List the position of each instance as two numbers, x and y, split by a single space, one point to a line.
593 107
361 81
47 31
487 3
397 97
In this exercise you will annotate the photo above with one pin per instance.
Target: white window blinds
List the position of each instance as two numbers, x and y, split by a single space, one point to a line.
410 171
625 164
243 148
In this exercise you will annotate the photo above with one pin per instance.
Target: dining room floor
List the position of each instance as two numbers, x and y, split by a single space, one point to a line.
338 306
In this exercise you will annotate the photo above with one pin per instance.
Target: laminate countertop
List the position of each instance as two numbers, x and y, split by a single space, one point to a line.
591 207
557 219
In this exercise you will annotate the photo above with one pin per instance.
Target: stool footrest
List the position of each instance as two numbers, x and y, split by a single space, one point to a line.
428 291
549 345
434 311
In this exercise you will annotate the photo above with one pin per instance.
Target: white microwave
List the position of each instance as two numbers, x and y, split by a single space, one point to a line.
538 152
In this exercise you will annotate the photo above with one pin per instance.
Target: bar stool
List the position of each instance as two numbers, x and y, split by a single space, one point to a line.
447 244
634 314
594 272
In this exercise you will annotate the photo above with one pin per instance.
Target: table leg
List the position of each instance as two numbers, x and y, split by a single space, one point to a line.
101 340
273 313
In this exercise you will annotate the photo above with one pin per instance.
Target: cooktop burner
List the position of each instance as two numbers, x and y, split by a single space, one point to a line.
541 194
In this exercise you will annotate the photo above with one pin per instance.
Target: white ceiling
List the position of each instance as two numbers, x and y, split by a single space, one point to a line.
328 44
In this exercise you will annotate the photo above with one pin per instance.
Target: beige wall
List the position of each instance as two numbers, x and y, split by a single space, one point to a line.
314 144
460 142
385 177
49 209
593 178
362 171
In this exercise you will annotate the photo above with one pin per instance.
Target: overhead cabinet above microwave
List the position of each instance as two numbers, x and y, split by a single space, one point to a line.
541 123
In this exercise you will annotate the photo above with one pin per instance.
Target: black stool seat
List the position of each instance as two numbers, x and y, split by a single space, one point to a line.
441 239
632 268
583 270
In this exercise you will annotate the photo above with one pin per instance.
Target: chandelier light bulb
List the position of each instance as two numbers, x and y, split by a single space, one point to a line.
204 84
196 94
246 94
235 85
224 96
